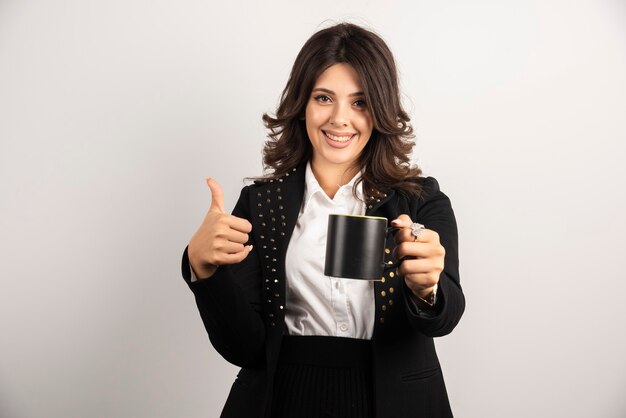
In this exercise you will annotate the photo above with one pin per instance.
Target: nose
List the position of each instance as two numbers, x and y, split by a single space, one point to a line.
339 115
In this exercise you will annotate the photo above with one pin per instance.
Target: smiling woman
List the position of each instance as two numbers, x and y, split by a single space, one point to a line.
339 126
311 345
370 68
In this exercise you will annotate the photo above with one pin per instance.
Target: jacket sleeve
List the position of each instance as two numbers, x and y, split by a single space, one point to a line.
434 211
229 303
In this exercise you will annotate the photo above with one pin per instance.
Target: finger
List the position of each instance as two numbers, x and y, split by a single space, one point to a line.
420 266
402 221
223 246
217 196
403 235
223 230
239 224
236 257
426 235
418 249
237 237
415 266
410 250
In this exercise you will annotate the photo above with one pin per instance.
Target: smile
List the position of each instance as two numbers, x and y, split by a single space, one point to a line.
337 138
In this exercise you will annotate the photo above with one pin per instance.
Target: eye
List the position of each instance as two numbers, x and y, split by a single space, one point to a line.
322 98
360 103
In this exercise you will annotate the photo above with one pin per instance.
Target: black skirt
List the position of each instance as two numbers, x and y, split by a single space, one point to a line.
323 377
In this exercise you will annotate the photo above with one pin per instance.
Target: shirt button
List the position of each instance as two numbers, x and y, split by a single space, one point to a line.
343 327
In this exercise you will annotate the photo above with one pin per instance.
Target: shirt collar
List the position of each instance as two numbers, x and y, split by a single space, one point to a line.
311 186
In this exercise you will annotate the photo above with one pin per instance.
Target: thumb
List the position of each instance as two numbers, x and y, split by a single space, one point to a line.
402 221
217 196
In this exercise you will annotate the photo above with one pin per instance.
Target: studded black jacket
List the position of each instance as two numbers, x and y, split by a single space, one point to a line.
242 305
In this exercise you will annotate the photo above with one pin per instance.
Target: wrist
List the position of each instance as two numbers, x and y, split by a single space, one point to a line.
420 291
200 270
424 297
424 293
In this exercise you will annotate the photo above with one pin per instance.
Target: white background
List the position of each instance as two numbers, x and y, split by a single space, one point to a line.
113 112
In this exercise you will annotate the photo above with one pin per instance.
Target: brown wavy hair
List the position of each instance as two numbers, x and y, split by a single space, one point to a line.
385 160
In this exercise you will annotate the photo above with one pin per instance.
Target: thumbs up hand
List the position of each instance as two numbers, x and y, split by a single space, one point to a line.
220 239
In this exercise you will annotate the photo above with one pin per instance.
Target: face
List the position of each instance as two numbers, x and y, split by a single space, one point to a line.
338 120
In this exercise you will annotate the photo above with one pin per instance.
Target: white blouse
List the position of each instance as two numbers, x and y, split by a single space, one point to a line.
318 304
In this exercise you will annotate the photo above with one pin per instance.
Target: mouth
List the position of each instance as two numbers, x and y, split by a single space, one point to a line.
338 137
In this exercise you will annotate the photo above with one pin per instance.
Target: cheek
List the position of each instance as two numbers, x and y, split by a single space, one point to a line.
308 120
365 125
310 126
314 116
364 120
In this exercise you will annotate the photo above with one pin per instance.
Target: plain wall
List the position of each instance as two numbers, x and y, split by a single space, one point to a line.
112 113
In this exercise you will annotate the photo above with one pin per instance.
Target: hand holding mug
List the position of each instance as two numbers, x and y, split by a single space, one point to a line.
220 239
423 256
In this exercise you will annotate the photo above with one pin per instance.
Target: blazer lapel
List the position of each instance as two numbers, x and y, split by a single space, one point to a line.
388 291
275 208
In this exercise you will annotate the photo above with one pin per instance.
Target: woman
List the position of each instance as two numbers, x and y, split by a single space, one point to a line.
311 345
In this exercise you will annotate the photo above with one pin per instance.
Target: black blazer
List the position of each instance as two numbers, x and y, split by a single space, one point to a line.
242 305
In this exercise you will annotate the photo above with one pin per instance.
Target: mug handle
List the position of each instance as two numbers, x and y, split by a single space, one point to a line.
387 267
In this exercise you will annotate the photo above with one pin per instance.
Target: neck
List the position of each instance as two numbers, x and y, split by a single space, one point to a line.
331 178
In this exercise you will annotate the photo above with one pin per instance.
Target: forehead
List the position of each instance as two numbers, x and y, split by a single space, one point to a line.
340 78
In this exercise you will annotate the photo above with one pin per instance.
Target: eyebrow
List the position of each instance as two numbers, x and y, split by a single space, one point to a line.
324 90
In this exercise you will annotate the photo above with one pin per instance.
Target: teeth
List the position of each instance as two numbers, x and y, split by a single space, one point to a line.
338 138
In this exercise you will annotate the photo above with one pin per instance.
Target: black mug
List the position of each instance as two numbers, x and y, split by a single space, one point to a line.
355 247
